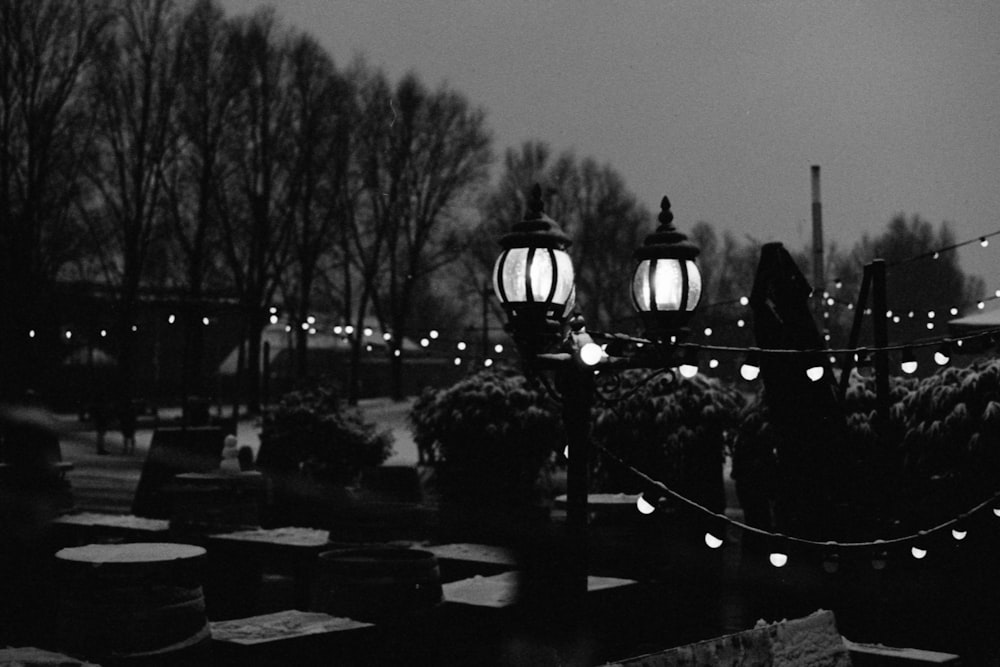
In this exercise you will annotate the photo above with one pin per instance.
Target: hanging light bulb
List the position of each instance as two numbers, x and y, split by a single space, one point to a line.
984 241
909 363
643 505
815 373
959 533
591 353
744 301
689 367
713 363
778 559
917 552
566 452
712 542
943 354
750 369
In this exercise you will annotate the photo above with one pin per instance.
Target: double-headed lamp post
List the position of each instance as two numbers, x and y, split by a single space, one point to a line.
533 278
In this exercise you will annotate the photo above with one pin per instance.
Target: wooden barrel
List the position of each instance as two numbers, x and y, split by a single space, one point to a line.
377 585
215 502
139 603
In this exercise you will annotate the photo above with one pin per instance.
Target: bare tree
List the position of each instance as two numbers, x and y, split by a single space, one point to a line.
430 149
47 50
595 208
134 95
321 119
256 198
207 92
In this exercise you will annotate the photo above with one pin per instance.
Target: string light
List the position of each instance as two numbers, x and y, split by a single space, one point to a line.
367 331
689 368
815 373
712 542
943 354
750 368
909 363
433 333
643 505
349 330
171 318
984 242
338 330
778 559
498 348
959 534
918 553
424 342
461 346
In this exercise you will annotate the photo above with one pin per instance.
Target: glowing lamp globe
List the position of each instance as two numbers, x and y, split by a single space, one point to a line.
666 285
533 277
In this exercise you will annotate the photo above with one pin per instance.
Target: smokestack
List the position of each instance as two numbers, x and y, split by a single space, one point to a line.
819 282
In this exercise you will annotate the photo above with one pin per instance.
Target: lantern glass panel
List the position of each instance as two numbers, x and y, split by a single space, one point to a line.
509 273
564 275
694 285
540 273
541 266
668 284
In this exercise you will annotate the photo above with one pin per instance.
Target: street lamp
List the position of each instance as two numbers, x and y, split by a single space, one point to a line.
533 278
666 285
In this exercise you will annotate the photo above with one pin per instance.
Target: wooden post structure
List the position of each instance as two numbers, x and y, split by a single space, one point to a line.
881 335
487 290
852 342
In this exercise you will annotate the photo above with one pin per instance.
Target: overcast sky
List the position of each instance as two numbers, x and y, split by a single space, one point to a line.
723 105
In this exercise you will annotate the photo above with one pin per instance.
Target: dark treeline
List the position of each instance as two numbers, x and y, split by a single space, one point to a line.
163 145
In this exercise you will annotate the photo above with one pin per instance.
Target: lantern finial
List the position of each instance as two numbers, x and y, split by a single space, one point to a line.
665 217
536 207
536 229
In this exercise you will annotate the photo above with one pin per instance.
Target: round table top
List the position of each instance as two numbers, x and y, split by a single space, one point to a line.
139 552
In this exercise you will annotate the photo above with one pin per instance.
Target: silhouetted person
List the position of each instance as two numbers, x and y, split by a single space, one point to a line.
126 423
101 417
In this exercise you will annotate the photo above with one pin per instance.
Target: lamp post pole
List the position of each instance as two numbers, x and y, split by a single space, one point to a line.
533 278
